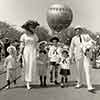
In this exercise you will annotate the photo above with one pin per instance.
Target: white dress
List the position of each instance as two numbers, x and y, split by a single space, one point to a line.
29 56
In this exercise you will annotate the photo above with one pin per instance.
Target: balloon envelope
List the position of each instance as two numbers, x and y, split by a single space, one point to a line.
59 17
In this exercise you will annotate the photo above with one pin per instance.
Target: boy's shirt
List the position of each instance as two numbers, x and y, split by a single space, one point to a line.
54 54
10 62
64 63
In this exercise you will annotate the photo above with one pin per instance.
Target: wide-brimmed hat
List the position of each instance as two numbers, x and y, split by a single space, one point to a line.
42 42
29 23
11 48
54 38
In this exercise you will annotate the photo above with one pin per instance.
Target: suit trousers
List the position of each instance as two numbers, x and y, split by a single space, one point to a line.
85 63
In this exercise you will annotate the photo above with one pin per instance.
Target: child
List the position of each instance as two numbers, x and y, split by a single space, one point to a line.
43 66
10 65
53 54
64 71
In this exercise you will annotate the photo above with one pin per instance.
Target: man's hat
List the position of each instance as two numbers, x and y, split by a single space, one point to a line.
54 38
29 23
78 27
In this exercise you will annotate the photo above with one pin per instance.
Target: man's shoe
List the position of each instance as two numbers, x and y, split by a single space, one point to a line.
92 90
56 83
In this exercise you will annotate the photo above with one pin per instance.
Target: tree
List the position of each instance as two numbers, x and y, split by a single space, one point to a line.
8 31
42 33
65 35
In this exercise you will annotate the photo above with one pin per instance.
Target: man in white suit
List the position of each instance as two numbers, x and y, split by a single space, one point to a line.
76 52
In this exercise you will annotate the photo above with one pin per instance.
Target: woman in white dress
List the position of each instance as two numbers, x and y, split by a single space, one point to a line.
28 51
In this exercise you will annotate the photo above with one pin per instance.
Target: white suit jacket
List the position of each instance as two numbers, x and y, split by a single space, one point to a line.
77 48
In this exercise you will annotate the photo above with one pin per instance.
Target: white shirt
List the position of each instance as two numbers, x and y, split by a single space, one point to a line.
64 63
10 62
54 54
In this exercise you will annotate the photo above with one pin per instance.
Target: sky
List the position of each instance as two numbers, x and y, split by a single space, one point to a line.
85 12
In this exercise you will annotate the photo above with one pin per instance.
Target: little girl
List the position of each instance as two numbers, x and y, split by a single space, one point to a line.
64 71
42 62
10 65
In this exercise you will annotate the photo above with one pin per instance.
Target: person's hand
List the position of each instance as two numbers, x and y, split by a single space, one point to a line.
3 69
72 60
19 57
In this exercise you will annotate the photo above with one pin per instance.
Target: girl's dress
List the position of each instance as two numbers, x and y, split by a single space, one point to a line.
65 70
29 42
42 63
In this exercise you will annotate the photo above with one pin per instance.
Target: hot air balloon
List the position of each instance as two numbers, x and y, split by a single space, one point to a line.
59 17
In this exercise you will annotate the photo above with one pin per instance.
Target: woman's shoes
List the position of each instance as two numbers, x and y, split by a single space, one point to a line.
28 86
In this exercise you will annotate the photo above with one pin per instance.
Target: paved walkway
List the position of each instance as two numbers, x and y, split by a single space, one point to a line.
52 92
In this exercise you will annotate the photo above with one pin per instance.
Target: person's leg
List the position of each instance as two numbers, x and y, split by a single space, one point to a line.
41 82
51 73
8 78
0 55
66 79
56 74
45 84
13 76
62 81
78 73
87 73
8 84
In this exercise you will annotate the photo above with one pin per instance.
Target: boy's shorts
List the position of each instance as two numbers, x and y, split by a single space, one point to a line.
54 64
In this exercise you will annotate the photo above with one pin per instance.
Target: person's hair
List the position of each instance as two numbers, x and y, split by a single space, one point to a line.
30 23
65 51
42 51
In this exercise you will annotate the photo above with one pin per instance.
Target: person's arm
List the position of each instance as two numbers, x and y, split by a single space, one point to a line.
21 48
5 64
22 44
71 49
90 39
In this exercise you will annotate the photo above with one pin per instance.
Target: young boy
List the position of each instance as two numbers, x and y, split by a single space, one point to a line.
64 71
10 65
53 54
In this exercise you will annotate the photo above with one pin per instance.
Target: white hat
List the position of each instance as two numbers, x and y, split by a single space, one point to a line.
78 27
11 48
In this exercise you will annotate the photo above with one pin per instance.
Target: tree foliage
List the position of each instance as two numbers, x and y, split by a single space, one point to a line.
8 31
65 35
42 33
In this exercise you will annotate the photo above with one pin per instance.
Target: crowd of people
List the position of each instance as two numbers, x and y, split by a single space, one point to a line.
36 58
